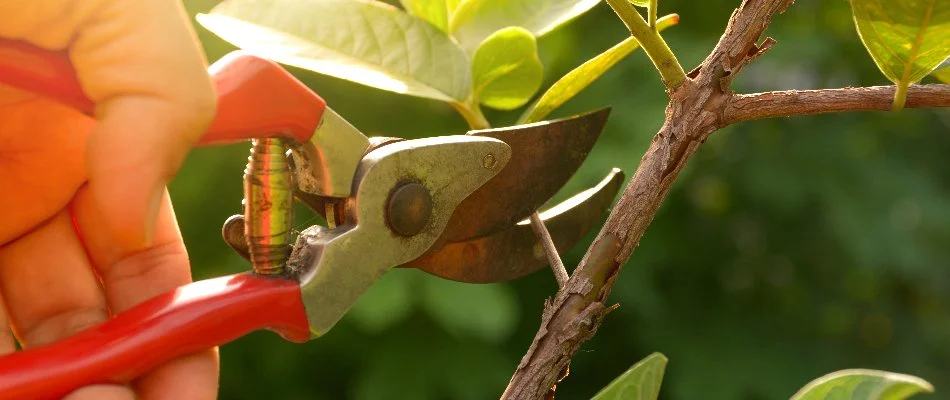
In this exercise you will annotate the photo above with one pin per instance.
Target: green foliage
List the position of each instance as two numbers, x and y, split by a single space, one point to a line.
579 78
641 3
474 20
487 312
366 42
436 12
863 384
641 382
506 70
907 39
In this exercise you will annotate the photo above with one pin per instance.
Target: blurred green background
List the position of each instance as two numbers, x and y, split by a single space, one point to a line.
787 249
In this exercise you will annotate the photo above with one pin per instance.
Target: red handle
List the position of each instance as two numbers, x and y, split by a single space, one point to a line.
188 319
256 97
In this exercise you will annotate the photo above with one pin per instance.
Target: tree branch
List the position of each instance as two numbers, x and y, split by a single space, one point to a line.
694 112
698 107
747 107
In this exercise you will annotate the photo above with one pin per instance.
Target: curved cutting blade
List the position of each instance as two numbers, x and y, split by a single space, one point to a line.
544 156
515 252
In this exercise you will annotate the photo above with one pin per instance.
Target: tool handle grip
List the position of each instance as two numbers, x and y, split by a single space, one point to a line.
186 320
256 97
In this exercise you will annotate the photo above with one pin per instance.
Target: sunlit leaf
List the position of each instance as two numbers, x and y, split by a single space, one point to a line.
863 384
437 12
641 382
943 71
371 43
474 20
489 312
578 79
907 39
943 75
506 70
641 3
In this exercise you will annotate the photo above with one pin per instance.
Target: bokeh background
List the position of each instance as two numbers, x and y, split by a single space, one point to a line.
787 249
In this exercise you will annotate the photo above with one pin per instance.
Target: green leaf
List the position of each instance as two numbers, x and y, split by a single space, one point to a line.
641 382
370 43
437 12
474 20
943 71
489 312
943 75
578 79
907 39
506 70
863 384
641 3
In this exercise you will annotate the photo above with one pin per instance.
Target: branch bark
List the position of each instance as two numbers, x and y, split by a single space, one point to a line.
747 107
697 108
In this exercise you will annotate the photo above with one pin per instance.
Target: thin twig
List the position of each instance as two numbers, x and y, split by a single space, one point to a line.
560 273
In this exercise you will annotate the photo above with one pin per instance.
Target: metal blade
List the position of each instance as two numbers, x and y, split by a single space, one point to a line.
515 252
544 156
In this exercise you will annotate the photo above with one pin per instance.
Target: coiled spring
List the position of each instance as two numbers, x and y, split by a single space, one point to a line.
268 206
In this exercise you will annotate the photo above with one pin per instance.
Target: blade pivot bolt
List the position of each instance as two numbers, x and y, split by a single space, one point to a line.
409 209
489 161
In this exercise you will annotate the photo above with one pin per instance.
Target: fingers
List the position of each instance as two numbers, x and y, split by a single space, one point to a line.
132 277
7 343
154 98
48 285
42 145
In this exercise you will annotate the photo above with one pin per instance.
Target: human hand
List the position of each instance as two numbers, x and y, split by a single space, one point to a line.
62 172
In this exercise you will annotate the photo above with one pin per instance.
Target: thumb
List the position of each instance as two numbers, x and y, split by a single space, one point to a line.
142 65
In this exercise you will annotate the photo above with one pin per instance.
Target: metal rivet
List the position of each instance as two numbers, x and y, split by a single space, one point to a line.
488 161
409 209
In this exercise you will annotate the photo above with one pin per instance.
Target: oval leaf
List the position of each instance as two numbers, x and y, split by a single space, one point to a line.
907 39
506 70
579 78
437 12
474 20
863 384
641 382
370 43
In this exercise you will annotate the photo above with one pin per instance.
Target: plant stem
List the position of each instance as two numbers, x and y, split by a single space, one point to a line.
900 97
653 44
472 114
651 12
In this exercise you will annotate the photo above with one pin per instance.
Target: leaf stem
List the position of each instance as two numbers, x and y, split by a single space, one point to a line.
900 97
472 114
651 12
653 44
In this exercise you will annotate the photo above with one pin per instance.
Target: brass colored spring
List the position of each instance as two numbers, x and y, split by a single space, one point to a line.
268 206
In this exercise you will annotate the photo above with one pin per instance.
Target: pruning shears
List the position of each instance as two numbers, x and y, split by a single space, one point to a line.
453 206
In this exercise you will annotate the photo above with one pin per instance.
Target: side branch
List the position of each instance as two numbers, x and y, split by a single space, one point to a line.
747 107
